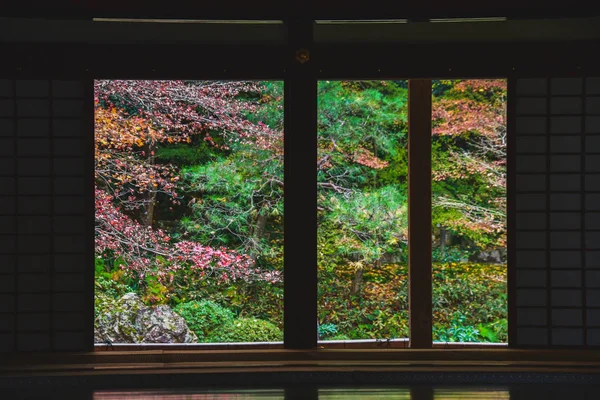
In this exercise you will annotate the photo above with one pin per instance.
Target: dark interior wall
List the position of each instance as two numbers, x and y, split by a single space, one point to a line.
45 215
557 206
46 150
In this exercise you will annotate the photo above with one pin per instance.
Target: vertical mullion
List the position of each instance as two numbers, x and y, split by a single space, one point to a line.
300 193
511 181
419 213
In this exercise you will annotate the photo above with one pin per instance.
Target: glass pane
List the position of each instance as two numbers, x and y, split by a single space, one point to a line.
189 211
362 210
469 211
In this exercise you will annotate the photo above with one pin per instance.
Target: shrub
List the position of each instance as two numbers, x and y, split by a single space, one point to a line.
247 330
110 287
103 304
204 317
327 330
496 331
155 292
458 331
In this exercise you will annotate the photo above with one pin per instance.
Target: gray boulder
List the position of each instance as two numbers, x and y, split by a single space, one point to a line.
494 256
128 320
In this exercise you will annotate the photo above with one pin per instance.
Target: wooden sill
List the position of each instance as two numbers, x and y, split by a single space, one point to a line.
317 355
329 344
281 360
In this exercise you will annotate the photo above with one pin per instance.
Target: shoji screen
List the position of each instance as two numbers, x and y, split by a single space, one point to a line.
557 189
44 215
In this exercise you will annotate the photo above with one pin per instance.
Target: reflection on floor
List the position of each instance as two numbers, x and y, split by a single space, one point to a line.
367 394
274 394
308 392
322 394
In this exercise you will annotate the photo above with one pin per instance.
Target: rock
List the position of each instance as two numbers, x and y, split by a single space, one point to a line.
163 325
495 256
128 320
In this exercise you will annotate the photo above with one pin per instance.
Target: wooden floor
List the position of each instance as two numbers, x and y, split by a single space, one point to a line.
323 360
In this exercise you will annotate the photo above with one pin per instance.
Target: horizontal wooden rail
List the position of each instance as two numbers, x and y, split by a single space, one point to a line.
322 344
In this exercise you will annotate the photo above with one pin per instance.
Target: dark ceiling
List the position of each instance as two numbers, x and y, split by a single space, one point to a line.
284 9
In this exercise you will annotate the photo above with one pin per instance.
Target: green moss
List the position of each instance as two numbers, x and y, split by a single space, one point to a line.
247 330
204 317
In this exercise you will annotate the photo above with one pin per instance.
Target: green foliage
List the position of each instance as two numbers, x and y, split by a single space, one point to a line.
205 317
467 294
185 154
381 311
327 330
110 287
259 300
100 268
271 100
494 332
103 304
338 337
247 330
458 331
369 224
362 115
450 255
233 197
155 292
236 204
464 295
487 333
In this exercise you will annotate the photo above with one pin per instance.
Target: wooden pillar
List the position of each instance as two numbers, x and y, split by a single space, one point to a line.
300 201
419 213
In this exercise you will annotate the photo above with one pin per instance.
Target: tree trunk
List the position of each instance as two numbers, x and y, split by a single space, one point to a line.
357 282
149 212
148 216
259 230
443 241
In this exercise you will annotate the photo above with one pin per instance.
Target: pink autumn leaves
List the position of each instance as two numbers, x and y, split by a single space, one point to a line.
129 178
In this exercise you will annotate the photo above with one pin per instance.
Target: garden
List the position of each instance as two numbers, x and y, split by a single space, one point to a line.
189 211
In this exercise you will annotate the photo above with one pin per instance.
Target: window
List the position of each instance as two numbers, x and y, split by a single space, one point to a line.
189 211
362 209
362 206
469 211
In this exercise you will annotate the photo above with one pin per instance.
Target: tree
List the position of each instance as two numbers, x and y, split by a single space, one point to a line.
170 112
361 174
238 196
152 252
469 166
135 119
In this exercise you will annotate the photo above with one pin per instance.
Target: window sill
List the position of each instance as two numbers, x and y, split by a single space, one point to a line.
322 344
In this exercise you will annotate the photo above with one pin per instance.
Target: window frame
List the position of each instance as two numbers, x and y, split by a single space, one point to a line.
357 61
300 98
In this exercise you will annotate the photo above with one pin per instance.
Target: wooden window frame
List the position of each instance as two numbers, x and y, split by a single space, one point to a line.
278 62
300 223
